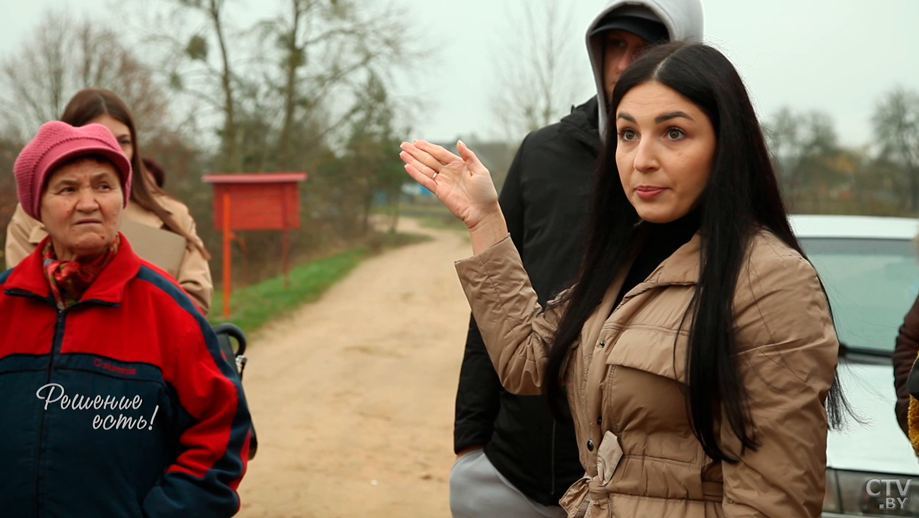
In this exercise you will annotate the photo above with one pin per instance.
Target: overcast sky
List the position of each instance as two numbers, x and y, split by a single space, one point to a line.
838 56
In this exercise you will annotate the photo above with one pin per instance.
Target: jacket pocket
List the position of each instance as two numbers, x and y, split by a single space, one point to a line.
656 350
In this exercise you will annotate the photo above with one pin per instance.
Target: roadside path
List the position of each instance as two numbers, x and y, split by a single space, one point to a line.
353 395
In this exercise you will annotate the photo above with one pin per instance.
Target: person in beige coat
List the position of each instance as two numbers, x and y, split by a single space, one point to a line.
695 347
148 206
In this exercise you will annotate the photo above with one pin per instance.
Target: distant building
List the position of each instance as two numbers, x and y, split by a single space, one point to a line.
416 189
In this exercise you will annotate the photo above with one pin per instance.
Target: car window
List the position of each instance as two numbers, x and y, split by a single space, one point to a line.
871 284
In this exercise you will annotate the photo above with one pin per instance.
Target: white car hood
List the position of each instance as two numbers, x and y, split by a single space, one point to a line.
879 446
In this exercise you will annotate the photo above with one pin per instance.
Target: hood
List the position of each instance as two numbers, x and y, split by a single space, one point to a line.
683 19
878 446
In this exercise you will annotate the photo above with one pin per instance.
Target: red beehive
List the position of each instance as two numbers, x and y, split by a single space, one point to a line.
256 201
259 201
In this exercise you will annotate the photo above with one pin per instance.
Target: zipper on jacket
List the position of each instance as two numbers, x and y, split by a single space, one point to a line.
58 336
56 343
55 348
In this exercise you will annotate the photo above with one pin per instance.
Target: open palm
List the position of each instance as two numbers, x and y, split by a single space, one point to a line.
461 182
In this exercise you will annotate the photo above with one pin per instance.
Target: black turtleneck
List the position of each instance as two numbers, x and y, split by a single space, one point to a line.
660 240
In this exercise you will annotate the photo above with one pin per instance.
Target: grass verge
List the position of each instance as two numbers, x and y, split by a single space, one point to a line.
255 305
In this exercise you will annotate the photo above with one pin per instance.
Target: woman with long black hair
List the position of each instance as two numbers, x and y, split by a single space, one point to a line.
696 346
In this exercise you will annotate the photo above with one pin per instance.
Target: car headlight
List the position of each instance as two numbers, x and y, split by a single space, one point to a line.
870 494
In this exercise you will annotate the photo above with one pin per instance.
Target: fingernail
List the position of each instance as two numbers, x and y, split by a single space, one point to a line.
461 142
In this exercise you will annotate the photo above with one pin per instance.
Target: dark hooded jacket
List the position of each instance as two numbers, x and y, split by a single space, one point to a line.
545 199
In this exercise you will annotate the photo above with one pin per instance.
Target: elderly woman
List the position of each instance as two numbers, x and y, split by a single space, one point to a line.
148 205
115 398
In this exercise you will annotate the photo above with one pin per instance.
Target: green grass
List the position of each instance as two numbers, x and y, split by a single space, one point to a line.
255 305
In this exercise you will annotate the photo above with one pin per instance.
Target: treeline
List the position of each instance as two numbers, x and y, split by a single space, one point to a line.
819 175
310 88
214 90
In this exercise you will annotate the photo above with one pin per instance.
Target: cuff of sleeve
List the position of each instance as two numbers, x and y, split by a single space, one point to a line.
469 438
493 281
475 271
499 246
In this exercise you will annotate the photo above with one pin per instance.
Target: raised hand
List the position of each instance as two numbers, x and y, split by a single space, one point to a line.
461 183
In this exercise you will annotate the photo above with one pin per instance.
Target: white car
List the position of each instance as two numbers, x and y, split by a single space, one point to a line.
870 270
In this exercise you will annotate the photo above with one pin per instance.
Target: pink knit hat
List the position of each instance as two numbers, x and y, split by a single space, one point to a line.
55 143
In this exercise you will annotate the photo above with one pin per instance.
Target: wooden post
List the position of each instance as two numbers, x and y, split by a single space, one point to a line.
252 214
286 258
227 236
286 239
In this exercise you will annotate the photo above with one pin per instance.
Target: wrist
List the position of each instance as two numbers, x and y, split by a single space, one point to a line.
488 231
492 217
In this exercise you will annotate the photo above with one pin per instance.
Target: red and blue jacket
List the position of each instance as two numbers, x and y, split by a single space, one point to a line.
119 406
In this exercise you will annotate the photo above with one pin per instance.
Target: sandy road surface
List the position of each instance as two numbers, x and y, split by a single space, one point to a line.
353 395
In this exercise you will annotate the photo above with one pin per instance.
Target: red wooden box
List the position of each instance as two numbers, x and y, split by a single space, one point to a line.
258 201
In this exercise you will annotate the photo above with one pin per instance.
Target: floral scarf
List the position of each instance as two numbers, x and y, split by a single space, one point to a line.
70 279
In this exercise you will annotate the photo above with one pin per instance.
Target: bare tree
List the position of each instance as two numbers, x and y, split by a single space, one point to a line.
193 70
803 147
537 80
327 47
284 82
896 124
63 55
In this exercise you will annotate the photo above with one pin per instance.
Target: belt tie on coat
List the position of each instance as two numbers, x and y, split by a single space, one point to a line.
588 497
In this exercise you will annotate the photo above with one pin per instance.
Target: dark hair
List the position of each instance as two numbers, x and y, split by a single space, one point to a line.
91 103
742 196
155 170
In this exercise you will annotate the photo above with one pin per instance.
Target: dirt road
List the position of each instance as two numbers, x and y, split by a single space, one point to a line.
353 395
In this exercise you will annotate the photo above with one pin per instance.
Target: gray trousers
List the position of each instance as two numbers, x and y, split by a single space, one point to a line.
477 490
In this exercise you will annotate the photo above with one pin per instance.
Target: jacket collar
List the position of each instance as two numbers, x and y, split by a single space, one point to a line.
136 213
583 124
109 286
681 268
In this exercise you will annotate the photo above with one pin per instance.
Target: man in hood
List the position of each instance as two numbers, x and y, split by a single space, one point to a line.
513 459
